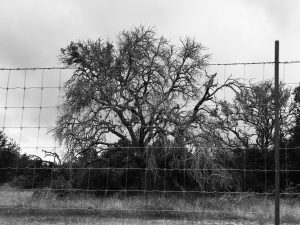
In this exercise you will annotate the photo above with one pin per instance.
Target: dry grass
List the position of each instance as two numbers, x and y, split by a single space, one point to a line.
111 221
77 209
14 198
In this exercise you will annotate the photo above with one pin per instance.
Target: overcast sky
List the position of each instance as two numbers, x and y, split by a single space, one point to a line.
33 31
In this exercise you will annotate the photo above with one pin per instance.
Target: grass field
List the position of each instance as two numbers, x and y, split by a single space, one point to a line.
22 207
113 221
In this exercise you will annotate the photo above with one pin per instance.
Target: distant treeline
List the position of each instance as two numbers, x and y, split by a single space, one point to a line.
113 171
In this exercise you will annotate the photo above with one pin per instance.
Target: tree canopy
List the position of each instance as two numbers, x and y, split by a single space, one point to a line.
133 92
249 120
136 90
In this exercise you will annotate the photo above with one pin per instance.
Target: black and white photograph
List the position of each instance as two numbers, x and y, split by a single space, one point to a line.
141 112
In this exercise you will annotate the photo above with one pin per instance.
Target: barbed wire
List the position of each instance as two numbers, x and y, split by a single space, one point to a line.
142 169
209 64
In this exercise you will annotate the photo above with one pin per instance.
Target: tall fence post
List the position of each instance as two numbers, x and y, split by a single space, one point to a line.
277 167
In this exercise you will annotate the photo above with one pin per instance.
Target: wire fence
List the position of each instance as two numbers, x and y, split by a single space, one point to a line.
214 176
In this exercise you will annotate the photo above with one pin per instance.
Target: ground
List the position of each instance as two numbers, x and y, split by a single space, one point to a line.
24 207
113 221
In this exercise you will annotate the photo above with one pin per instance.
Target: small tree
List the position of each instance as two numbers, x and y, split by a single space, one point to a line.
295 130
246 127
249 121
292 157
132 93
9 155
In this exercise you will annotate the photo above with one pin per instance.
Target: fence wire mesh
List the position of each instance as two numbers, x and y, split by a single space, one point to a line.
224 168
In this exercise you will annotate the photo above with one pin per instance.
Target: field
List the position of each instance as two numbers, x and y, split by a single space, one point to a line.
24 207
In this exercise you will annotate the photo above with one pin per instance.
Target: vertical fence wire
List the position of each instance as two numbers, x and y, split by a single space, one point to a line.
6 96
265 159
20 134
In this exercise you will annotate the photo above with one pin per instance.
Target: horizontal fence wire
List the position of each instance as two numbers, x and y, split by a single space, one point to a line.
138 168
208 64
77 190
173 179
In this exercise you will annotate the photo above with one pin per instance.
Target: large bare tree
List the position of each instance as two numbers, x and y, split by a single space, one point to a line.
134 91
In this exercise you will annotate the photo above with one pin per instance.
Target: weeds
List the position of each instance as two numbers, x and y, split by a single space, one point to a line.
248 206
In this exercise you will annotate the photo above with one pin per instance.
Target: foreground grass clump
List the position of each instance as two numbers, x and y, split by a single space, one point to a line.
153 206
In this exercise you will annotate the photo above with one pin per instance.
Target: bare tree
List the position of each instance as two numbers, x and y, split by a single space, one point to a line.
130 93
249 121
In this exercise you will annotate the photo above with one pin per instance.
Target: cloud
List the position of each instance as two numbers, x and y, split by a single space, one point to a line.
279 12
34 31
